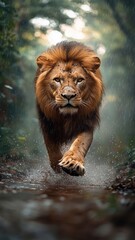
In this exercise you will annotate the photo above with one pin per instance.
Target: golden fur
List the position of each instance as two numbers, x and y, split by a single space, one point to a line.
69 91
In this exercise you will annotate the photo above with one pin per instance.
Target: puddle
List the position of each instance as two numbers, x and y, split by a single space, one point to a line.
49 206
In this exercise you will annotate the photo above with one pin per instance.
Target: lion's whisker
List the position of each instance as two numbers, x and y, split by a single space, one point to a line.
85 104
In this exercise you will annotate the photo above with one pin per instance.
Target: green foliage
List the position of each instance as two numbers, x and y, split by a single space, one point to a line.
10 93
16 142
8 40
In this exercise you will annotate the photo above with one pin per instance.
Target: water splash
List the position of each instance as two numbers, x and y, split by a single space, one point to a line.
96 175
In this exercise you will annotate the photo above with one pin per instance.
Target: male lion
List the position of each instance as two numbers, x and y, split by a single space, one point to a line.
69 90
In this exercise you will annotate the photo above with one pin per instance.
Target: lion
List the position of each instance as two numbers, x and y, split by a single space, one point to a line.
68 89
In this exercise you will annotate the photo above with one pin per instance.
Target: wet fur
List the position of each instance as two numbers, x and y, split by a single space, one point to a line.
64 128
61 128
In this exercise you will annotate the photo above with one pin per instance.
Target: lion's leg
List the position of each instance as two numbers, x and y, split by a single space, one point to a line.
54 154
73 160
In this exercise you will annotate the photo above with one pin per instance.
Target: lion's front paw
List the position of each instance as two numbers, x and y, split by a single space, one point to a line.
72 164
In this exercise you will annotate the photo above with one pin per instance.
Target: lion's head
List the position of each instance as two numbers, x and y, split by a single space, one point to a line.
68 81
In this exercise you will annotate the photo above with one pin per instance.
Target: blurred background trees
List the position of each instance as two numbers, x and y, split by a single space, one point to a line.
28 27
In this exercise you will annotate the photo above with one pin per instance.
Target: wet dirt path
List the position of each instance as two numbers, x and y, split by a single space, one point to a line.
44 211
37 204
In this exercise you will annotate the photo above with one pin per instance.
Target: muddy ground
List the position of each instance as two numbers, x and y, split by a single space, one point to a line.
63 207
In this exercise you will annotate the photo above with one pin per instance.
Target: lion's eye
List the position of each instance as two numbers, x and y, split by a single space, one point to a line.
79 80
57 79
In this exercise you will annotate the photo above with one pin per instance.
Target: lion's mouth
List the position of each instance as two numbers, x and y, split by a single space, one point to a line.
68 109
68 105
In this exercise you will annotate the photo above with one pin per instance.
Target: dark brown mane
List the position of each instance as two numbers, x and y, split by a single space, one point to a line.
69 51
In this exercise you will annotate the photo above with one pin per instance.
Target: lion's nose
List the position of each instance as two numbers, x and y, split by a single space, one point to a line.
68 95
68 92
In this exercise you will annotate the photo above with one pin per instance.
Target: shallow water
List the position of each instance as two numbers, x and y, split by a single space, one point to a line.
47 206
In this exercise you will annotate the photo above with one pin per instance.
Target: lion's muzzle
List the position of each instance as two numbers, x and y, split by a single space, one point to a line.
68 93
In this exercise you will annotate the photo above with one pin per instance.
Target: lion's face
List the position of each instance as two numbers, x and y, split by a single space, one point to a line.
68 81
67 84
68 89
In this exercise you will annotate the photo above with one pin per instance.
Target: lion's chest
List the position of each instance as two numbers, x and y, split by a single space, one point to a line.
66 129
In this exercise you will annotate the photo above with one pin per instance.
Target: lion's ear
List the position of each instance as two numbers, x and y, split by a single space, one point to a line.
44 63
41 61
95 63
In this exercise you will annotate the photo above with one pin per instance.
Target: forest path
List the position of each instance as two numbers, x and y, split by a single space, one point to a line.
60 207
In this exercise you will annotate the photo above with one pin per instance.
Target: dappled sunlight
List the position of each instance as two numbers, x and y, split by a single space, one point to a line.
69 13
101 50
54 37
40 22
88 8
76 30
